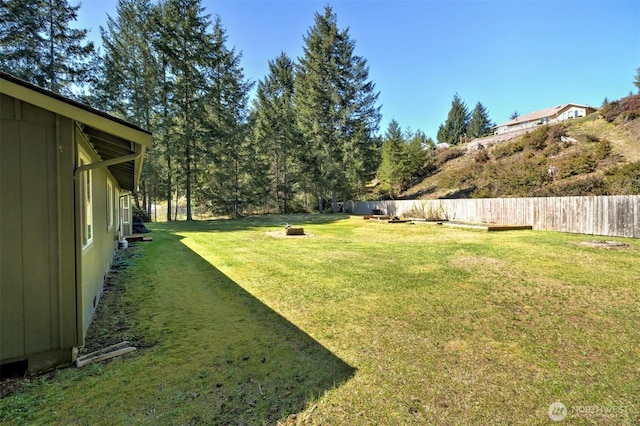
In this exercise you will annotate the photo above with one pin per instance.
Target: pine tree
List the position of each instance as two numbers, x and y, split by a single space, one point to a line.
38 44
226 144
131 69
480 124
514 115
637 80
456 124
418 145
128 86
21 23
207 100
276 130
394 167
336 109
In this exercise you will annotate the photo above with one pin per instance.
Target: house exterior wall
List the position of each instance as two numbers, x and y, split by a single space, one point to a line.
573 111
568 112
57 236
97 255
37 253
519 126
50 283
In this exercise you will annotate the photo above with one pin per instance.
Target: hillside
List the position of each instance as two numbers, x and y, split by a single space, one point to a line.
595 155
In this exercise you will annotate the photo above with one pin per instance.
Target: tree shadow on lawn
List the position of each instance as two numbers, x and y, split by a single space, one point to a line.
251 222
254 366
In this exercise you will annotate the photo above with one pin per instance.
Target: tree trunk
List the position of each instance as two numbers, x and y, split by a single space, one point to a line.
169 193
175 214
188 182
149 200
334 201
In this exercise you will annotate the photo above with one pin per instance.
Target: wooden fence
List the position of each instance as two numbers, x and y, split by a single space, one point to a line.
610 216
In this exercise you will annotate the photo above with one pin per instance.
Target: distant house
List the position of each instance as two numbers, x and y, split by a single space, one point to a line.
66 175
545 116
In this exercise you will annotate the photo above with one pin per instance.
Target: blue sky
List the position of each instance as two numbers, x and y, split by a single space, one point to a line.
510 55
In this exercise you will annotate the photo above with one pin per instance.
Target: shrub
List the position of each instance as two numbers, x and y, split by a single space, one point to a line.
626 108
552 149
429 212
482 156
556 133
588 138
624 180
143 214
537 139
509 148
517 178
443 155
576 164
589 185
602 149
611 111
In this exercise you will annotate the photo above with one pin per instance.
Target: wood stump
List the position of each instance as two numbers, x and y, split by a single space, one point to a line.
295 231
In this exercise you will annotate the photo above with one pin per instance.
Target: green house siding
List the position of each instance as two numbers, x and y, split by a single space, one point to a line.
37 255
51 276
96 256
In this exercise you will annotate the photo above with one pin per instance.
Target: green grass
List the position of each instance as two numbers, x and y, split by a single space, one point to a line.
362 323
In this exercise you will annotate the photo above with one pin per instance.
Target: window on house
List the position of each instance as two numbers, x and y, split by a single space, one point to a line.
86 200
125 209
109 205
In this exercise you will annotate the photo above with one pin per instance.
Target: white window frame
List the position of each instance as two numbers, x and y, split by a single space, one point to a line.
110 204
126 209
86 196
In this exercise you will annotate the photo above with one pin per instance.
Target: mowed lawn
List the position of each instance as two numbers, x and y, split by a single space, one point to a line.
362 323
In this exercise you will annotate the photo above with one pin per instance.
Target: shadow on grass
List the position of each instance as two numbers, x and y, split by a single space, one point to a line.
251 222
255 366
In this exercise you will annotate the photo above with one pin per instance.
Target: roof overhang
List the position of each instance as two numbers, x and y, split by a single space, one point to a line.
111 137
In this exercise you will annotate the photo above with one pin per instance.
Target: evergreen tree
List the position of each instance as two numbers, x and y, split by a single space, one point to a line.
276 130
207 102
129 84
21 23
394 166
457 122
184 43
131 69
226 146
514 115
38 44
637 80
336 110
480 124
418 145
403 157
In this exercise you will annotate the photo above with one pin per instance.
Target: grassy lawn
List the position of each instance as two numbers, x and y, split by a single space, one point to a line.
362 323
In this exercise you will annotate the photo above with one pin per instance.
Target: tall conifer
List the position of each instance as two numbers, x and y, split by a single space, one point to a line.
337 112
456 125
276 131
38 44
480 124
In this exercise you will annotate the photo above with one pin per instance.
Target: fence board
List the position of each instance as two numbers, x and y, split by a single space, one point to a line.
607 215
